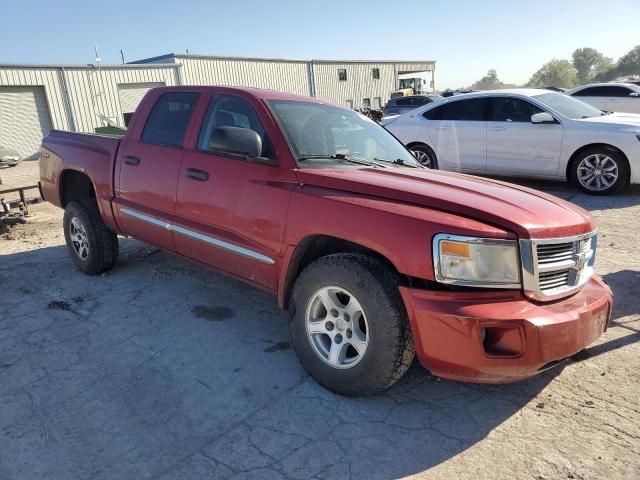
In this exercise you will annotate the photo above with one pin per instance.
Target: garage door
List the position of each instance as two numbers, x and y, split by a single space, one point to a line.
24 119
130 96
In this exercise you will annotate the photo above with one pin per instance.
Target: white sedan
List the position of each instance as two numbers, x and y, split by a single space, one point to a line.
612 97
525 132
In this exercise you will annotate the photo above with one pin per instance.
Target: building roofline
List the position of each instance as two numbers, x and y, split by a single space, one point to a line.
288 60
89 66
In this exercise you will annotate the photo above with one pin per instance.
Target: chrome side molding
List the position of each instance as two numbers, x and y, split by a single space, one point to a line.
216 242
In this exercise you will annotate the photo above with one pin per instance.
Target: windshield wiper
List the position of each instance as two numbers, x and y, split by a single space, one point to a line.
397 161
343 158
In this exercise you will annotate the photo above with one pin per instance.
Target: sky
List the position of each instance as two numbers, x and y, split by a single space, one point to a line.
465 38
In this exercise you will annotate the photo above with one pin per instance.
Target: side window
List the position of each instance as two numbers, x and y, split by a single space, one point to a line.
618 92
375 72
508 109
342 75
433 114
590 92
169 119
231 111
464 110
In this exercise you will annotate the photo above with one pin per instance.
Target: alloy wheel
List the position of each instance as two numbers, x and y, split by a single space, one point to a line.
422 157
597 172
79 239
337 327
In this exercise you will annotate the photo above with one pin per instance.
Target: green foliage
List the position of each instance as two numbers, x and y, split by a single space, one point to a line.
489 82
588 63
556 73
628 64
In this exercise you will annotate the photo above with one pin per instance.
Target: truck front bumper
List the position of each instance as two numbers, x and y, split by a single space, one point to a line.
501 337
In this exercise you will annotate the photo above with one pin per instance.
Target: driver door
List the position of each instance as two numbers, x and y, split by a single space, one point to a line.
517 146
231 211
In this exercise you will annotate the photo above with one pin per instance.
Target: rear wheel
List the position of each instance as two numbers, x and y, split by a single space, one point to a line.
600 171
424 155
91 245
349 326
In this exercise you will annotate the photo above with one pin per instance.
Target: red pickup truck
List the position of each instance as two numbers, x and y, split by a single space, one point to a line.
375 257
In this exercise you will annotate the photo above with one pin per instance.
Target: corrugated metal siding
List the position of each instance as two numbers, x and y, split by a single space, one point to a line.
359 85
283 76
94 92
50 80
90 91
132 93
24 119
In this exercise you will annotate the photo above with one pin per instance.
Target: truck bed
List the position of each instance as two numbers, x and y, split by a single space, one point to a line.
91 154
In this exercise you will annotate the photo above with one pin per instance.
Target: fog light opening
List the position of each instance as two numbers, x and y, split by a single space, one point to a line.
501 341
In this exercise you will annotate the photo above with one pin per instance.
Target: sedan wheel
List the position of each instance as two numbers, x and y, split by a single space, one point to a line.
425 156
598 172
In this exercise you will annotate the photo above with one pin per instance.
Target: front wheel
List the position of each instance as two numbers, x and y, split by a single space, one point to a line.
600 171
349 326
91 245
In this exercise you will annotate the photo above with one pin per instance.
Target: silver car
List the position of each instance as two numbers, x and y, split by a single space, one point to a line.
9 157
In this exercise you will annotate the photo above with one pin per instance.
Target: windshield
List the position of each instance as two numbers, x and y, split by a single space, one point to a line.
568 106
325 136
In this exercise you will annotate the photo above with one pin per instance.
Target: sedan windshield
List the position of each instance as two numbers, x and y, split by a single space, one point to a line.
326 136
568 106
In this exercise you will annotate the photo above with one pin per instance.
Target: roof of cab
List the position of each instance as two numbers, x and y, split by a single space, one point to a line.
259 93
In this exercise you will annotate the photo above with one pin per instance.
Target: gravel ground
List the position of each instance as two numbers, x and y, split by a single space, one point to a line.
162 369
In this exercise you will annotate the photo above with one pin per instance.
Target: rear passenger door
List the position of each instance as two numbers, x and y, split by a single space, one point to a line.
458 130
147 167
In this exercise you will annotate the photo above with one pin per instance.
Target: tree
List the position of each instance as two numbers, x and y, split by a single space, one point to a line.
628 64
589 62
556 73
488 82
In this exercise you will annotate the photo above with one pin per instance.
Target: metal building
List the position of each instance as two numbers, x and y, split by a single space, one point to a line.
354 83
36 98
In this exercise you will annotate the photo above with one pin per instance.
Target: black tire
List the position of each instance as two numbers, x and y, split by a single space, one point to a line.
419 151
578 168
390 350
101 243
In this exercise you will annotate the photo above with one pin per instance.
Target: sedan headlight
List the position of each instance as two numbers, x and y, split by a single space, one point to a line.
477 262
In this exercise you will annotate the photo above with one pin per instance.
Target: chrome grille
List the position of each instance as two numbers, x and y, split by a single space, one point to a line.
557 267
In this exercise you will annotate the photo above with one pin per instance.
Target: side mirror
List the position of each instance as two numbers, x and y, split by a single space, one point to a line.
542 117
236 140
634 94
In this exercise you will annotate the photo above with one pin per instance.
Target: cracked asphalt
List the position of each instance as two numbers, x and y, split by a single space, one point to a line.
162 369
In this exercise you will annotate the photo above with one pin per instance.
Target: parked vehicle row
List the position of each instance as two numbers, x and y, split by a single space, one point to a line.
525 132
375 257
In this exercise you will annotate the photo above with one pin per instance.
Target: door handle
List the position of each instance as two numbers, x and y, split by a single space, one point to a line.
130 160
196 174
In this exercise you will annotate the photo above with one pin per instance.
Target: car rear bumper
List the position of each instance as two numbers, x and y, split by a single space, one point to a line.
501 337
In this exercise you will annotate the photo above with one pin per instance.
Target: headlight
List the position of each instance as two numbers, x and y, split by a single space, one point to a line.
477 262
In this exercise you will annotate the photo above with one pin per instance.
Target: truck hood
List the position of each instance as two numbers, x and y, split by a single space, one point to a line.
616 118
526 212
